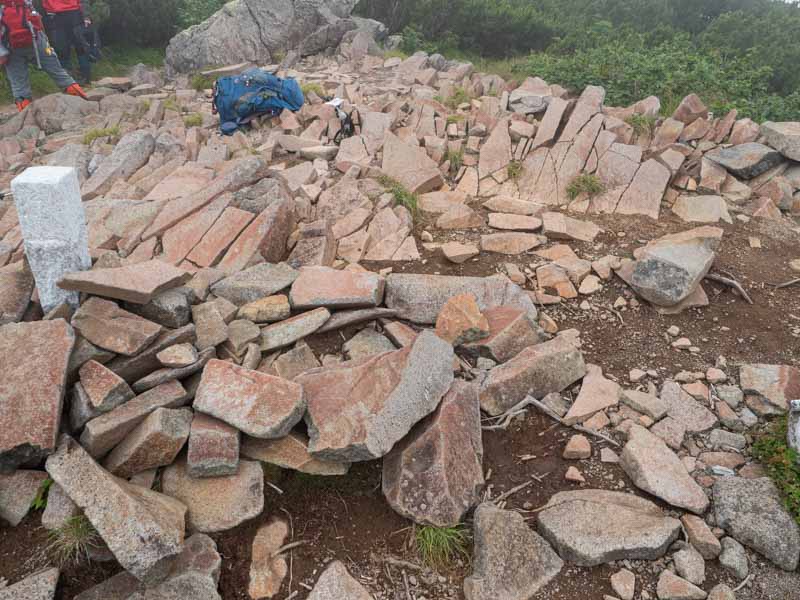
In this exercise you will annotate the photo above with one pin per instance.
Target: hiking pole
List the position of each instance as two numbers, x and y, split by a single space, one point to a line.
34 36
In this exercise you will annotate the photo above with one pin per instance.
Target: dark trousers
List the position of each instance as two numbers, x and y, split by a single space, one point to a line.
65 34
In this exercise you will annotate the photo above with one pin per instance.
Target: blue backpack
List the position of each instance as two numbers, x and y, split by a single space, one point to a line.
240 98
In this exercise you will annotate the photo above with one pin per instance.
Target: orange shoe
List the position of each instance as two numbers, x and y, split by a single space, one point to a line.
22 104
76 90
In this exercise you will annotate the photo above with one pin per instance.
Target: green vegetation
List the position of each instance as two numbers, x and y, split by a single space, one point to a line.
772 450
193 120
401 195
94 134
739 54
442 546
40 501
313 87
454 119
171 104
514 170
456 158
642 124
72 542
117 61
585 184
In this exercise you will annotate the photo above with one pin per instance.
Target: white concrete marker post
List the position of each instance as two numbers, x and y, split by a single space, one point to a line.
53 224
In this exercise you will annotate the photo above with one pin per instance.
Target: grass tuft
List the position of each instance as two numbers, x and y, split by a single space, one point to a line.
642 124
193 120
514 170
201 82
313 87
454 119
395 54
458 97
94 134
171 104
456 158
773 451
442 546
71 543
402 196
585 184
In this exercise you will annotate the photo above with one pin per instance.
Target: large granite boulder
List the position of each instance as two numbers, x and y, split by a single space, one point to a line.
258 30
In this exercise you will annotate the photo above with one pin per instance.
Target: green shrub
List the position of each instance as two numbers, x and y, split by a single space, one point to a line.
192 12
313 87
440 547
200 82
773 451
458 97
585 184
454 119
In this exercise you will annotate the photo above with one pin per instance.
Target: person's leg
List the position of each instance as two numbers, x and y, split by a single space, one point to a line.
60 37
52 66
18 76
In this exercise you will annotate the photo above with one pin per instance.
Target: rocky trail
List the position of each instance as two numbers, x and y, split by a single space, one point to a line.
255 366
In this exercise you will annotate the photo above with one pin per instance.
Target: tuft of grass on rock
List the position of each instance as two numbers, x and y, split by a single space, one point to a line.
456 158
94 134
514 170
454 119
585 184
402 196
193 120
642 124
440 547
772 450
71 543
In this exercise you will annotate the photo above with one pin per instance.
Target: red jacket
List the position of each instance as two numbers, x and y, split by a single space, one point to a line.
59 6
16 20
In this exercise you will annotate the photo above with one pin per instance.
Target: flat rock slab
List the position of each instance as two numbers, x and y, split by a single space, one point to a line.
108 326
434 475
330 288
752 512
784 137
142 528
656 469
217 503
268 567
593 527
258 404
511 561
39 586
359 410
336 583
672 587
538 370
702 209
461 321
746 161
106 431
420 298
410 166
688 412
510 244
285 333
255 283
292 453
33 370
136 283
558 226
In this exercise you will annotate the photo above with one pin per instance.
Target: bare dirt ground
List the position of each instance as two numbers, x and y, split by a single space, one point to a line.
347 517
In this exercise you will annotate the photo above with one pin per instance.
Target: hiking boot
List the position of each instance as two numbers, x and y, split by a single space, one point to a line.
76 90
22 104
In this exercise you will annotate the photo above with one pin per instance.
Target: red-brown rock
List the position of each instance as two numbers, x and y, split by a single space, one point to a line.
136 283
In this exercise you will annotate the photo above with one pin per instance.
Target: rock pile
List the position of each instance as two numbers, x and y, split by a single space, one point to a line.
174 340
